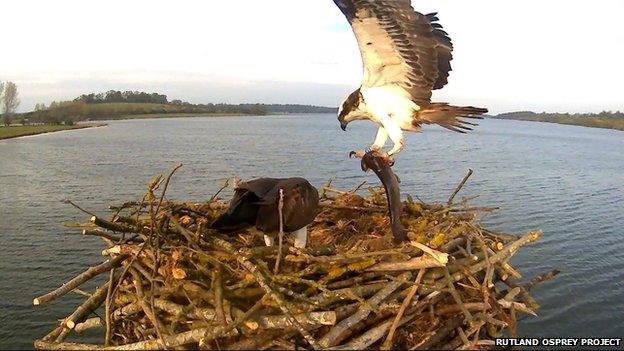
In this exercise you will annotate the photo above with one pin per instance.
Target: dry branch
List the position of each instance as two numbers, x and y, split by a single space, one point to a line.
186 286
79 279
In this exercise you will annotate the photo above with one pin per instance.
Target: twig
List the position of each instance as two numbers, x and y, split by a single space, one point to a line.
216 332
102 234
354 208
218 292
368 338
459 186
387 345
541 278
253 269
424 261
341 330
162 195
223 187
456 296
83 311
354 190
280 208
79 279
68 201
148 310
116 227
108 310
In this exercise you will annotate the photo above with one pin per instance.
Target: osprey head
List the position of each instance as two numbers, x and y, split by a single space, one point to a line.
348 110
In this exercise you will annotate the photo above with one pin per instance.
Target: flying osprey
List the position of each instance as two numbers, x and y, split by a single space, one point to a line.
405 55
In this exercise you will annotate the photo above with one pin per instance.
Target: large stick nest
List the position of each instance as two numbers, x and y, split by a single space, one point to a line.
174 283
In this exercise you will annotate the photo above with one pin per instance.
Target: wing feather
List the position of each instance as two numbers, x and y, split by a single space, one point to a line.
399 46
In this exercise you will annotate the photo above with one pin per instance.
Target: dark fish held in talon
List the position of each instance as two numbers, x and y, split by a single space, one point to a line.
372 160
255 204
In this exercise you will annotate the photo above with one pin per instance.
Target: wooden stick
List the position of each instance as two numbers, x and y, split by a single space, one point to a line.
355 208
439 256
108 309
253 269
541 278
282 322
354 190
459 186
420 262
348 294
91 323
162 195
147 309
341 330
456 296
387 345
280 207
101 233
224 186
371 336
79 279
116 227
68 201
440 334
470 306
188 337
525 293
49 345
218 292
510 270
477 267
81 313
475 209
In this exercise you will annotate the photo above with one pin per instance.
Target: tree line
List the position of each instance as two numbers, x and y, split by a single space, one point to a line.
126 96
9 101
545 116
115 104
604 119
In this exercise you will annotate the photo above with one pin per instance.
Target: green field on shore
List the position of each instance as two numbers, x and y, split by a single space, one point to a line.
603 120
18 131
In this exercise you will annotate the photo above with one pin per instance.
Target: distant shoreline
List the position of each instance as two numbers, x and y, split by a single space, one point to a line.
588 122
187 115
13 132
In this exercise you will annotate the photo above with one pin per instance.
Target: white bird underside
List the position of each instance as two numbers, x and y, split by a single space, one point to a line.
392 112
405 55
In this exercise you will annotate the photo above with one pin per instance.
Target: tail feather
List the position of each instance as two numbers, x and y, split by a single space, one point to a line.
448 116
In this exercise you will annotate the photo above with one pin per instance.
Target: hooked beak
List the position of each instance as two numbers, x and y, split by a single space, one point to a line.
343 125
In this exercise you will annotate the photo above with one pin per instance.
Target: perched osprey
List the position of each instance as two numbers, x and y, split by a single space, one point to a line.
255 204
405 55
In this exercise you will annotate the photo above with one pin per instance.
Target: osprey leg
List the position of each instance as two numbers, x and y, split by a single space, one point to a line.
396 135
380 139
301 237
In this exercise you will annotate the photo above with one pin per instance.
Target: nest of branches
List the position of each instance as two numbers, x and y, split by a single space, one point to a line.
173 283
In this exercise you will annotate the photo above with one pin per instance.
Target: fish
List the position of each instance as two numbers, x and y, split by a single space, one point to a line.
374 161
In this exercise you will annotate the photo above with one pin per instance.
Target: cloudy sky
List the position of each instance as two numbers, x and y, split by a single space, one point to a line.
555 55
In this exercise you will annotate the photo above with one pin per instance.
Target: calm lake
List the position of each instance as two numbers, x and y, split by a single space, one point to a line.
566 180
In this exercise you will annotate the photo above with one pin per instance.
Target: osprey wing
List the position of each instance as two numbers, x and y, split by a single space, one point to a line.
401 49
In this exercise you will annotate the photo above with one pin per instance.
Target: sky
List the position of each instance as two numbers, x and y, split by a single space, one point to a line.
555 55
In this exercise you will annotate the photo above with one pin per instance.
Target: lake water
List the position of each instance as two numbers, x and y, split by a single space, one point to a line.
566 180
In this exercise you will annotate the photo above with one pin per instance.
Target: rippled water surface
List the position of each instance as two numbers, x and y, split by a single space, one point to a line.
566 180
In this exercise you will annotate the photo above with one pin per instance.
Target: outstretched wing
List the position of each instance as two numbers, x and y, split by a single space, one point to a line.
400 47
